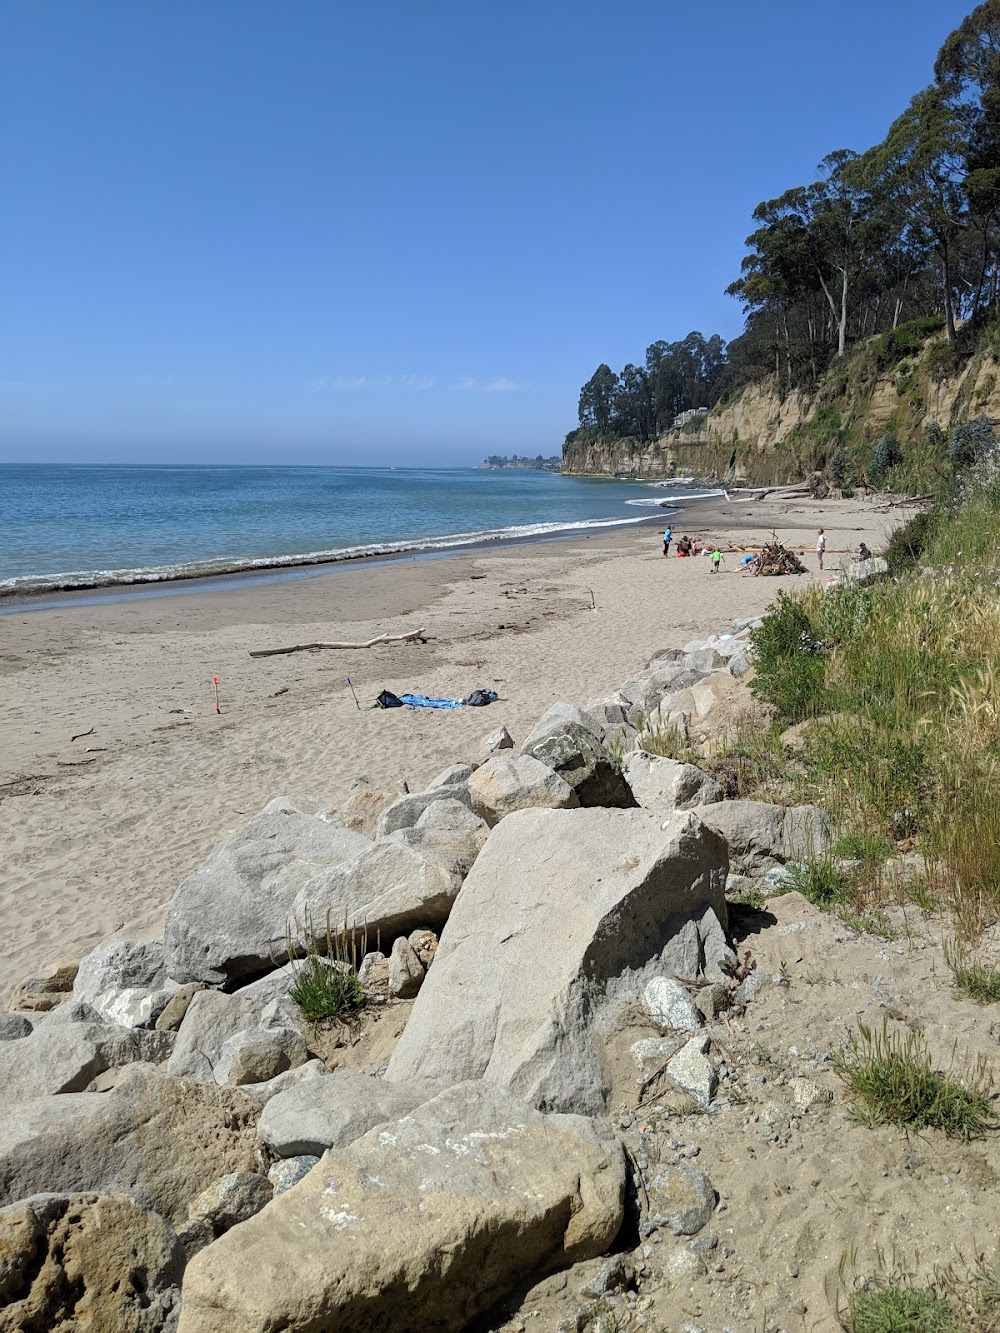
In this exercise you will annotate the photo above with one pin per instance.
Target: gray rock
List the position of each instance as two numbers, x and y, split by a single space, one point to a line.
229 919
652 1052
449 832
119 964
132 1007
741 662
704 659
172 1014
334 1111
864 571
405 812
760 834
262 1093
424 944
231 1199
288 1172
87 1261
258 1055
558 714
750 987
455 775
498 740
213 1017
609 711
154 1138
681 1199
562 920
507 783
406 972
392 888
45 990
692 1071
465 1198
374 970
669 1005
615 1274
663 656
582 762
14 1026
66 1057
664 784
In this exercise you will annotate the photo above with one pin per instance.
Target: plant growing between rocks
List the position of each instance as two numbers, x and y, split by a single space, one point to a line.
326 984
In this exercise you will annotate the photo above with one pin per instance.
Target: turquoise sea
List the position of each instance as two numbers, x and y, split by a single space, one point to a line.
65 527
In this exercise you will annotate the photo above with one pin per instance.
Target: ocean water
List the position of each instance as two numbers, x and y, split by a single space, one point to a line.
65 527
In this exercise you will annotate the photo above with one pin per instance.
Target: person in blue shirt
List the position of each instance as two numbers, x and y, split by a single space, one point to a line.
667 538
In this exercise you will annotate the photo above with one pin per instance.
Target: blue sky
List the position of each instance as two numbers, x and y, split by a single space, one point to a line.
393 232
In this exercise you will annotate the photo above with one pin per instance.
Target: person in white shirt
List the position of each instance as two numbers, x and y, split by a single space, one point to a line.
820 548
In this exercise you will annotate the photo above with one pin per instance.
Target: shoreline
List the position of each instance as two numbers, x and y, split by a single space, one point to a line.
100 830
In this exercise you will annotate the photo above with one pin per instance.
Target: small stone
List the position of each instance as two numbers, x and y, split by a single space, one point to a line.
257 1055
805 1093
668 1003
615 1274
649 1054
692 1071
172 1014
498 740
14 1026
374 970
40 993
289 1171
406 973
681 1200
424 944
684 1265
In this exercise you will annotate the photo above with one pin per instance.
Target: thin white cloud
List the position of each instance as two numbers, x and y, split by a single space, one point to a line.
354 383
499 385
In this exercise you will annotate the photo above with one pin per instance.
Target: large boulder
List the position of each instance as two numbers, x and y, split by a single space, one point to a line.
155 1138
562 920
507 783
405 812
87 1262
762 835
449 832
421 1223
864 571
117 964
658 783
213 1017
332 1112
573 752
230 918
66 1057
259 1055
393 887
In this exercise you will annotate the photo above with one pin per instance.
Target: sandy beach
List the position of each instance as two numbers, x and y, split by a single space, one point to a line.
98 831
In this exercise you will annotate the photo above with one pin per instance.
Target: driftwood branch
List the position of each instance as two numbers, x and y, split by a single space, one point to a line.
414 636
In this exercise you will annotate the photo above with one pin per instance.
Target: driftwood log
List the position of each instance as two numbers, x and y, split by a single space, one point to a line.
414 636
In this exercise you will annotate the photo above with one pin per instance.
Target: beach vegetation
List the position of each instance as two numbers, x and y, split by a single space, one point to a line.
892 1081
978 980
326 984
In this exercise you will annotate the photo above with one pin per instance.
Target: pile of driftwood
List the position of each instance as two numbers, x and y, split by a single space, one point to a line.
777 559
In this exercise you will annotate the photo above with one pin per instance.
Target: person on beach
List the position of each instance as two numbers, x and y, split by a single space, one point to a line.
667 536
682 548
716 560
863 552
820 547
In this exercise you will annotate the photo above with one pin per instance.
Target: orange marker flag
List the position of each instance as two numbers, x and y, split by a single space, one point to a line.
215 682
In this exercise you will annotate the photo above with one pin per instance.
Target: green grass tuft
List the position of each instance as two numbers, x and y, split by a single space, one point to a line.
900 1309
326 984
820 881
893 1083
979 982
871 849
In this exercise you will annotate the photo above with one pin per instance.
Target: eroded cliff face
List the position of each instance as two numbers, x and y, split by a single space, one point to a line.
769 437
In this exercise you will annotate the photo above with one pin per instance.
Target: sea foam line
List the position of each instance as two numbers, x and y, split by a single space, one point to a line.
81 580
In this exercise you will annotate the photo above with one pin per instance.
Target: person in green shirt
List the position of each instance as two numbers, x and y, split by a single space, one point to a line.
716 560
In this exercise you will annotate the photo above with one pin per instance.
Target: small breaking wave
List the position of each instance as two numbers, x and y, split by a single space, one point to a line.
664 501
83 580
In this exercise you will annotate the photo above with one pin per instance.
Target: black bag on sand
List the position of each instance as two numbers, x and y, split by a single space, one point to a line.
388 700
480 698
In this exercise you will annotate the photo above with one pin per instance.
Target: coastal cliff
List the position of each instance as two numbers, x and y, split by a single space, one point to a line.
769 435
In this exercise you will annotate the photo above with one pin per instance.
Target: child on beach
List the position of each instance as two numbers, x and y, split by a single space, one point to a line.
667 535
716 560
820 548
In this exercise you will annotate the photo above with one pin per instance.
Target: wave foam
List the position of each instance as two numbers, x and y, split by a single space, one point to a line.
82 580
